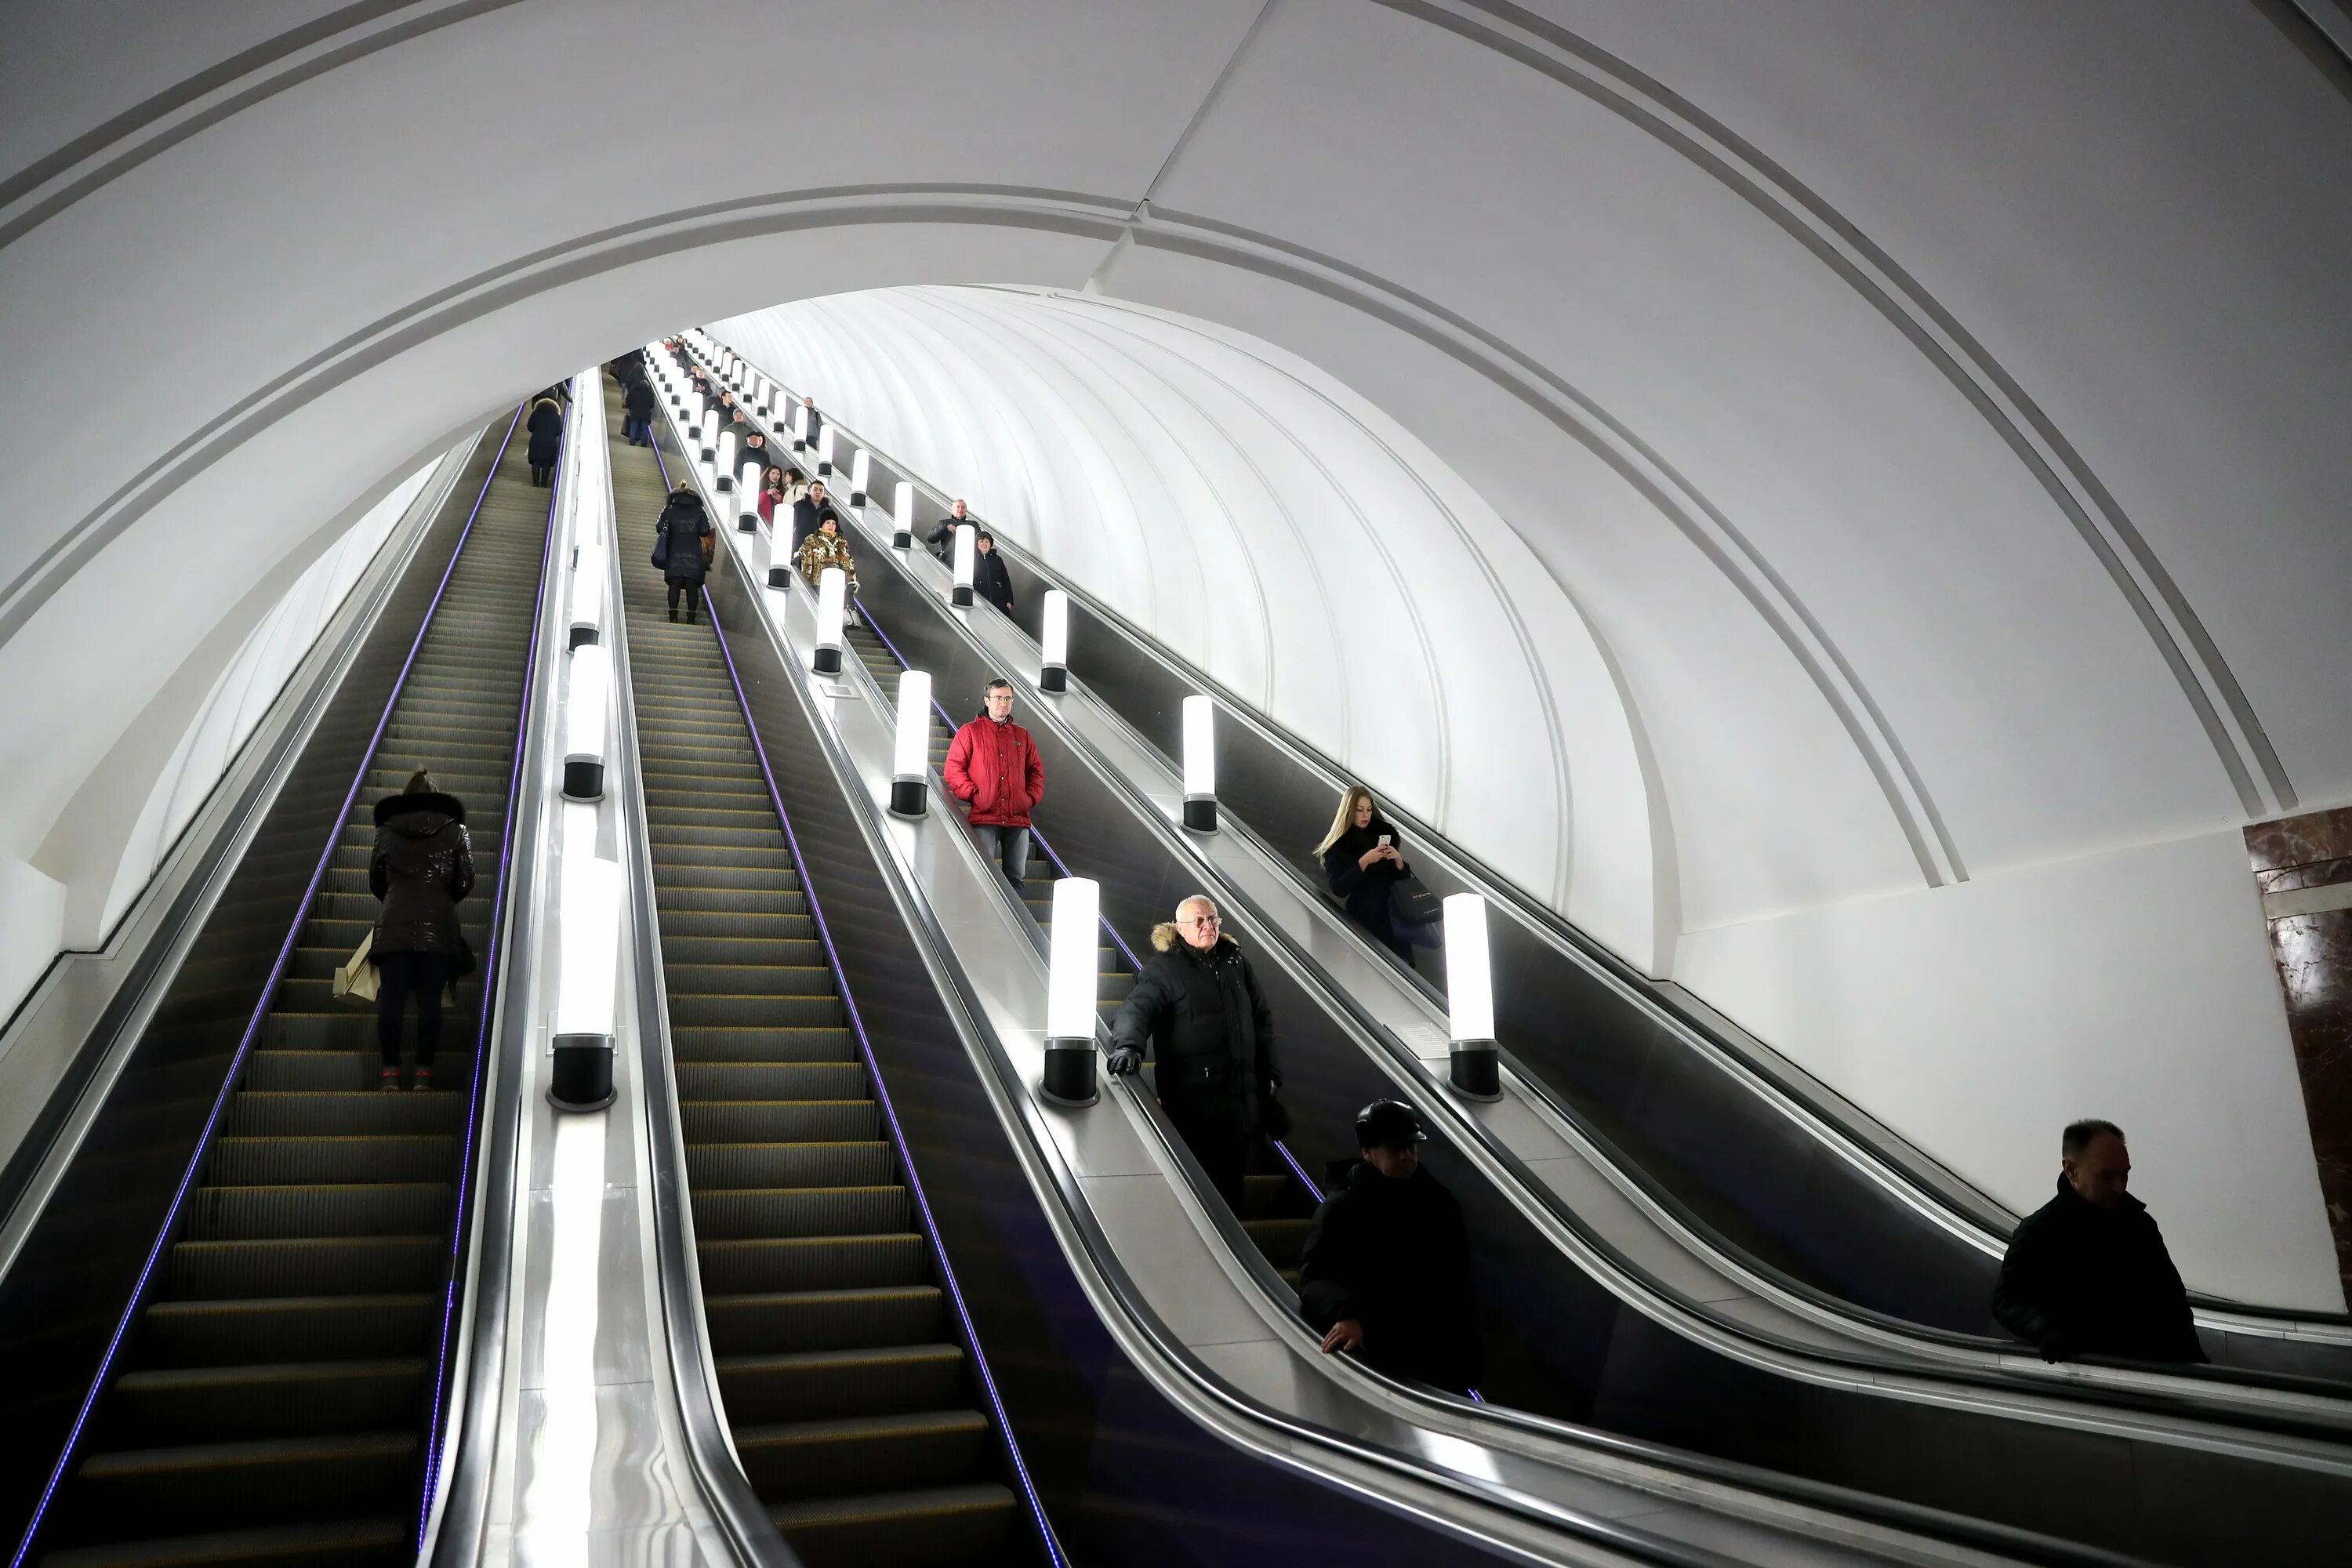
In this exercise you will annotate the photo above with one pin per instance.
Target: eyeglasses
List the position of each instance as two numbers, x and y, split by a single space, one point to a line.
1198 921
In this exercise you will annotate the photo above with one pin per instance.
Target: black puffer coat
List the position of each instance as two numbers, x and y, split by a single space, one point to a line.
991 582
1395 1256
640 402
1209 1031
423 864
688 524
2100 1278
546 433
1366 887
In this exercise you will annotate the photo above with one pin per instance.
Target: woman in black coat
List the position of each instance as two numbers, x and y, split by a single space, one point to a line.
682 547
546 427
1363 864
1198 1006
638 402
423 864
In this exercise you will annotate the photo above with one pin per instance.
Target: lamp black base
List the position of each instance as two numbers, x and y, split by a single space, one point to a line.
580 1075
584 779
1052 678
748 523
726 486
825 470
799 446
1201 816
582 636
827 661
780 576
907 797
961 597
1070 1073
857 497
1477 1071
902 542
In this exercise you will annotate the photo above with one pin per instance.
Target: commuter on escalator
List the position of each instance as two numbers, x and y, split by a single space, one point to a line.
423 864
1198 1007
772 493
1363 863
815 422
825 548
992 767
991 582
754 449
1386 1272
546 428
637 403
941 539
683 544
2087 1272
808 512
796 485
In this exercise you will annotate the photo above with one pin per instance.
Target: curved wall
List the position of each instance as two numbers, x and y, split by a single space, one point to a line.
1934 414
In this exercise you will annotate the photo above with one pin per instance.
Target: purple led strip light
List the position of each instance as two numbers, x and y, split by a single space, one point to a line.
1312 1186
881 1090
482 1031
245 1045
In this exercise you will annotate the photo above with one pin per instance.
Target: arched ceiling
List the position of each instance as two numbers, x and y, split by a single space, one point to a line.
1934 411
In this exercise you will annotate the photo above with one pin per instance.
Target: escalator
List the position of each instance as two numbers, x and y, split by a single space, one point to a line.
851 1403
271 1401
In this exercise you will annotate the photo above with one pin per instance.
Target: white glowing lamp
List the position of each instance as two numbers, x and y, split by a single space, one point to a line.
824 453
800 427
587 987
723 463
902 528
588 578
708 442
1054 642
832 600
747 497
1200 764
966 551
587 716
911 751
1476 1069
857 471
1070 992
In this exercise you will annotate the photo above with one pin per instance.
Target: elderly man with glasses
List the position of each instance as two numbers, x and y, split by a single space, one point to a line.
1198 1006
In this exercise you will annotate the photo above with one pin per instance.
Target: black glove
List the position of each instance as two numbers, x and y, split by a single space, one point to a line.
1273 1119
1123 1060
2058 1345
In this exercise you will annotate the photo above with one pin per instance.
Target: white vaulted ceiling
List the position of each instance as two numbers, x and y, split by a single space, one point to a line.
1882 463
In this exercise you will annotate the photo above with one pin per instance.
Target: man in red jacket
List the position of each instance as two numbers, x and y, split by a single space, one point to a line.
993 766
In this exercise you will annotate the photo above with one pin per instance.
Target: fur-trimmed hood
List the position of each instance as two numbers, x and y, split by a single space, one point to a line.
415 808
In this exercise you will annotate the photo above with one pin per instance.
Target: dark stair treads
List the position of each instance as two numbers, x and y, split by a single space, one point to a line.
722 1214
791 1459
817 1385
231 1403
839 1318
338 1543
227 1486
762 1043
916 1529
355 1208
324 1328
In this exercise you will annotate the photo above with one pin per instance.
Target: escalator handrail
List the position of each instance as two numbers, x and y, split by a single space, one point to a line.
1986 1228
173 1216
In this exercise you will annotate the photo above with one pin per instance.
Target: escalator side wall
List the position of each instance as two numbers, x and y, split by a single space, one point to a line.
59 1303
1125 1475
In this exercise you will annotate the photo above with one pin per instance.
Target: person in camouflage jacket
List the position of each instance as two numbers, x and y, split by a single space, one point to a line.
825 548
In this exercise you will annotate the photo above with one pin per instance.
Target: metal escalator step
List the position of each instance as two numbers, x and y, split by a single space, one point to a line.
320 1327
357 1208
285 1071
227 1404
273 1162
668 856
679 903
224 1485
741 1043
818 1385
917 1528
671 838
795 953
737 1009
780 1120
810 1262
294 1266
844 1164
727 879
771 1081
793 1459
747 1213
359 1542
760 819
748 979
750 1323
1281 1241
306 1113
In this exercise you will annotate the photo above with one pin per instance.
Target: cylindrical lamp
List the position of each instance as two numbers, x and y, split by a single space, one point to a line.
824 453
1200 764
747 497
586 718
722 464
588 575
967 550
580 1076
693 420
800 427
832 596
1054 642
857 469
1070 992
911 751
902 528
706 444
1476 1069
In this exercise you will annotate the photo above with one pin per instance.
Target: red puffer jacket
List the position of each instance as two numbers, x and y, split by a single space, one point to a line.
995 768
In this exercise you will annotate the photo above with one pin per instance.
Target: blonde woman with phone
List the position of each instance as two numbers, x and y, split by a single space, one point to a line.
1363 865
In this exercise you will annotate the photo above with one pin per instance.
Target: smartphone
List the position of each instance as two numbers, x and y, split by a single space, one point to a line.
1384 840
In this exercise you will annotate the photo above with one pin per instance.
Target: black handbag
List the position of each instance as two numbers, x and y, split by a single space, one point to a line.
1412 904
661 549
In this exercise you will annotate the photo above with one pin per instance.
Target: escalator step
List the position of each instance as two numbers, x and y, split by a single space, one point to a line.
321 1328
157 1408
779 1120
746 1322
353 1265
355 1208
771 1081
226 1486
818 1385
844 1164
914 1529
356 1542
278 1161
724 1215
781 1263
763 1043
813 1459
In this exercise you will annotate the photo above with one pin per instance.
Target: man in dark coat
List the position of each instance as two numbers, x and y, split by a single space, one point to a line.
815 422
683 535
754 449
810 510
638 403
546 428
993 766
991 582
1386 1272
1198 1006
421 865
941 539
2087 1272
